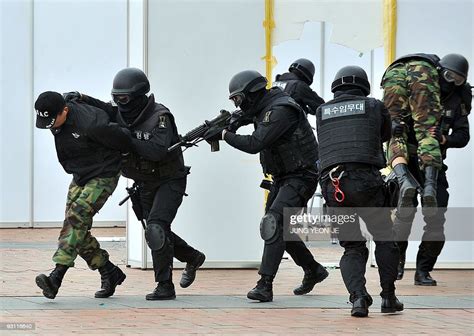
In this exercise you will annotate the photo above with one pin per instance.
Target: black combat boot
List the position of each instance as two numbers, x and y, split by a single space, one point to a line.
312 275
428 197
408 185
111 276
163 291
361 301
424 279
263 292
50 284
189 272
390 304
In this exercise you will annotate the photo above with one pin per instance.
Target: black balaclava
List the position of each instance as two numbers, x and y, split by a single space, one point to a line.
250 103
446 87
131 110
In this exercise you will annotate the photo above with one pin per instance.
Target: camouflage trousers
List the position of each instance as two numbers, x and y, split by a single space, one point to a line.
75 237
411 90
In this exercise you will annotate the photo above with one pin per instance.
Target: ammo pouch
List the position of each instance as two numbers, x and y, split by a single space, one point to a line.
137 168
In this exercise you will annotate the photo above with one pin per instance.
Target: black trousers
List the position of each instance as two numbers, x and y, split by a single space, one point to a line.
433 237
160 202
287 192
365 196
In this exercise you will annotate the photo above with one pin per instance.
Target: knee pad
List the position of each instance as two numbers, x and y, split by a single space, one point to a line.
155 237
269 227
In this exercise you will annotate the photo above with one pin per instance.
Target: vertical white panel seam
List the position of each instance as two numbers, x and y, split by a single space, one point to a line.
145 69
145 36
128 33
30 112
372 70
322 58
127 231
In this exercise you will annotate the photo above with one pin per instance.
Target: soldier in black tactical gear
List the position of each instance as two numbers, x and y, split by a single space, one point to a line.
451 132
96 170
288 151
297 83
351 129
412 95
160 175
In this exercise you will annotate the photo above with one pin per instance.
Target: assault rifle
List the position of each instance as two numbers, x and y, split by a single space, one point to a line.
225 119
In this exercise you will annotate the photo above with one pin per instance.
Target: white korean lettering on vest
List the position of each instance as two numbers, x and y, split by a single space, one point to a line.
281 85
343 109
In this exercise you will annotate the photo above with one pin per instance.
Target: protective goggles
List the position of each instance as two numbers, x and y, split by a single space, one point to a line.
452 77
122 99
237 99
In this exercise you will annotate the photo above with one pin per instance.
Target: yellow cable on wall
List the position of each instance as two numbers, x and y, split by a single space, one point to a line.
269 25
270 60
390 30
389 43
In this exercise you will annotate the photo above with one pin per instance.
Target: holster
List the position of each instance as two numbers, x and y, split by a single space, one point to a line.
134 196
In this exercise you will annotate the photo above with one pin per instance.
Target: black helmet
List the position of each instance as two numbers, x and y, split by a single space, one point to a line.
456 63
304 67
243 83
351 75
131 82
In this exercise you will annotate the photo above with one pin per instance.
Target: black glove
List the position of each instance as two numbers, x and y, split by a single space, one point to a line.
72 96
112 136
238 120
398 128
213 134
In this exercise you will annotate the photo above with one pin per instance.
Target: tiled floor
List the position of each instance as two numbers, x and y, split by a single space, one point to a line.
216 302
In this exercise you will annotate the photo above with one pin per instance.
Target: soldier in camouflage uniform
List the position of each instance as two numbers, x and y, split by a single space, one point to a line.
412 93
452 132
95 169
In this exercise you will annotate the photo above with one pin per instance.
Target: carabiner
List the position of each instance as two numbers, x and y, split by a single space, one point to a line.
333 171
338 193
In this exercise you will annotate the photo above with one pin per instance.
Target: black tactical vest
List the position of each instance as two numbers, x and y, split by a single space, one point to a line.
138 168
349 131
297 150
287 85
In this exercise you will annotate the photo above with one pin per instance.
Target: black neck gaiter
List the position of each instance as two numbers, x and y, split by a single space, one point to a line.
132 110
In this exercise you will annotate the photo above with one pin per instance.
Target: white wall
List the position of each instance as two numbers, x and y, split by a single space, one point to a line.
442 27
447 27
16 110
194 49
72 45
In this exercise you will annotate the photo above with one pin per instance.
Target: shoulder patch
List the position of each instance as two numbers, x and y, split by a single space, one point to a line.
162 122
267 117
